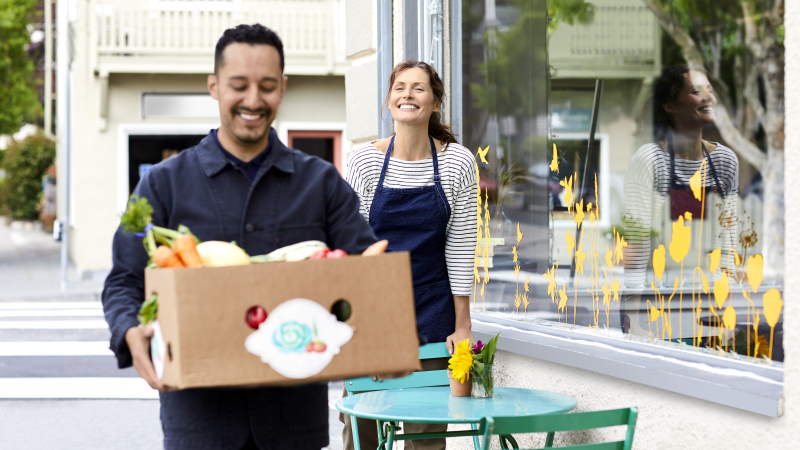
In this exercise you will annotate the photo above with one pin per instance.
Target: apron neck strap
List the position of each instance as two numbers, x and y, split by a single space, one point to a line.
386 158
673 183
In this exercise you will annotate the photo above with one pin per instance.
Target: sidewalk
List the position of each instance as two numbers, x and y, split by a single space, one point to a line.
30 267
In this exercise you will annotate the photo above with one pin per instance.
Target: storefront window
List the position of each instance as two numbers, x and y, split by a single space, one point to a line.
629 177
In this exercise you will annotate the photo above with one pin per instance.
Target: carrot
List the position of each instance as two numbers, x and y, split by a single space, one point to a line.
166 257
185 246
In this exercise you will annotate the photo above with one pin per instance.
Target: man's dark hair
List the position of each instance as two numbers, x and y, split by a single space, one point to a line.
247 34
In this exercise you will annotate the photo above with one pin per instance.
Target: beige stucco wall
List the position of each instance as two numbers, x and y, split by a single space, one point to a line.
668 420
95 150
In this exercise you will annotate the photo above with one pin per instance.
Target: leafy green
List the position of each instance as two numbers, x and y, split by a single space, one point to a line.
149 310
137 215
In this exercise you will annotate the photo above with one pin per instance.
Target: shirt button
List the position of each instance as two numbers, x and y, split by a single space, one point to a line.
249 227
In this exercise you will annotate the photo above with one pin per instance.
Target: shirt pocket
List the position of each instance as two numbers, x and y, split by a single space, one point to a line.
292 234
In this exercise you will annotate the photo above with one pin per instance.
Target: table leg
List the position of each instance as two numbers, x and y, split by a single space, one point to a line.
391 428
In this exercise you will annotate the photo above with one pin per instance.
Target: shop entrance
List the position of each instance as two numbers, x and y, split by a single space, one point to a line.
145 150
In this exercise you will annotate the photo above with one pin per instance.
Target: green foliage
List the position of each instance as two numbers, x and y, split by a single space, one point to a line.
569 11
507 70
25 163
19 101
137 215
148 312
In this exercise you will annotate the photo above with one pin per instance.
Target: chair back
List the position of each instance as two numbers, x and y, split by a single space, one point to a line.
424 378
551 423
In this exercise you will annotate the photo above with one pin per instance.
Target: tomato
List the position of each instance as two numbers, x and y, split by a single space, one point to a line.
320 254
255 316
338 253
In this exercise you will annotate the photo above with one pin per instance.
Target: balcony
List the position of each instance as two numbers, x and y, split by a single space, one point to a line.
178 36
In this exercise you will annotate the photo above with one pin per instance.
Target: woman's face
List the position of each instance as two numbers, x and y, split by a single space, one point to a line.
695 102
411 98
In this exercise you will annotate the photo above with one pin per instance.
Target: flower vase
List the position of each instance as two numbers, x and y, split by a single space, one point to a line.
482 381
458 389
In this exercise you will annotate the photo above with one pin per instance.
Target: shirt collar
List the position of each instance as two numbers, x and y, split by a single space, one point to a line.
212 160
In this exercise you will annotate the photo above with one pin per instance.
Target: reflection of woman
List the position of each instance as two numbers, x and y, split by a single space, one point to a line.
657 186
417 189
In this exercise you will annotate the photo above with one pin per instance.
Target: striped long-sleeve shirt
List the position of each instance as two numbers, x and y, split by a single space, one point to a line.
457 172
647 217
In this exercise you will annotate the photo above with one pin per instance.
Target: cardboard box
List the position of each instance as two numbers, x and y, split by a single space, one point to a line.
203 329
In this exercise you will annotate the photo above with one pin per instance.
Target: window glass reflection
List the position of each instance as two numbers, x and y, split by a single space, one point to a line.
654 227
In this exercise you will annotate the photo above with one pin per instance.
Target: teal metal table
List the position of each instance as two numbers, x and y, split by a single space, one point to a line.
436 405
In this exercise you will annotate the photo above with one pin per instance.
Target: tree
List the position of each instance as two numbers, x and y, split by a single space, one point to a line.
739 44
19 101
25 162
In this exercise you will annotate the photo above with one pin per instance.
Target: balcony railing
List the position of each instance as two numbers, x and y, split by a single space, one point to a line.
178 36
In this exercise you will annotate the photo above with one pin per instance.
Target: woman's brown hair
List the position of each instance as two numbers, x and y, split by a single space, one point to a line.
436 129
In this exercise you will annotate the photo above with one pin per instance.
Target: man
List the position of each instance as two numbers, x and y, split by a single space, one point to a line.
240 183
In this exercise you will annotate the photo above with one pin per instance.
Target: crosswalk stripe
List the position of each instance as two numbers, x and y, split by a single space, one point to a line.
52 324
76 388
50 305
4 313
55 348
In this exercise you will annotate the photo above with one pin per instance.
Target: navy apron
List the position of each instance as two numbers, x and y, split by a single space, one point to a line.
681 198
415 220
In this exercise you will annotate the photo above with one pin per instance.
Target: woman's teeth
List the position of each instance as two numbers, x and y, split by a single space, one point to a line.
408 107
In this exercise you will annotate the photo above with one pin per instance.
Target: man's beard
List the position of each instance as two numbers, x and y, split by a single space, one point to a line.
247 138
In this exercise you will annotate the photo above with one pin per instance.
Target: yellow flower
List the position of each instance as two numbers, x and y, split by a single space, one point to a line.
554 162
568 197
729 318
721 290
659 261
618 246
681 240
696 185
773 303
713 260
755 271
461 362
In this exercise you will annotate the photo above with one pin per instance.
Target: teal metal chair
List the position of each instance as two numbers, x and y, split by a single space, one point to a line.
504 427
424 378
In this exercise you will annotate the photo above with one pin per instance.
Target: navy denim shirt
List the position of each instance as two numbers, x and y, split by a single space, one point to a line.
294 197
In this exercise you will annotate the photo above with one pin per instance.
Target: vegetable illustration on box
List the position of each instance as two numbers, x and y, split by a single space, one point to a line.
299 338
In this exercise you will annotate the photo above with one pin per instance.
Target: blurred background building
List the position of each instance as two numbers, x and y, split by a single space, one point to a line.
137 89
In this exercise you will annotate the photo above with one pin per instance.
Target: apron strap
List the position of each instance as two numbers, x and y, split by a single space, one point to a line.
673 183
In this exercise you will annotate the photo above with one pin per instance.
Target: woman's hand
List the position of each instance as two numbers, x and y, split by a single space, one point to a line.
459 335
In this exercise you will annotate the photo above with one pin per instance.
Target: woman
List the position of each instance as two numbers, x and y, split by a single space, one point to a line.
657 185
417 189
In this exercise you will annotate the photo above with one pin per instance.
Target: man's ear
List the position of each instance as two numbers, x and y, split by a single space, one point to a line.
211 83
285 83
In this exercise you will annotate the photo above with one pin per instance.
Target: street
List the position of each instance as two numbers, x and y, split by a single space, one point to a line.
59 384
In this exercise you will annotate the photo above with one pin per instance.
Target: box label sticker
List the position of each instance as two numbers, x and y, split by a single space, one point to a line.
299 338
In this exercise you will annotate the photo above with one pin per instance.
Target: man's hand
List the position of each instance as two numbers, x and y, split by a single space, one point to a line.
459 335
138 340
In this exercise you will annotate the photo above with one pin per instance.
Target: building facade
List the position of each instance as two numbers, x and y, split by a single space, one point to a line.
137 89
